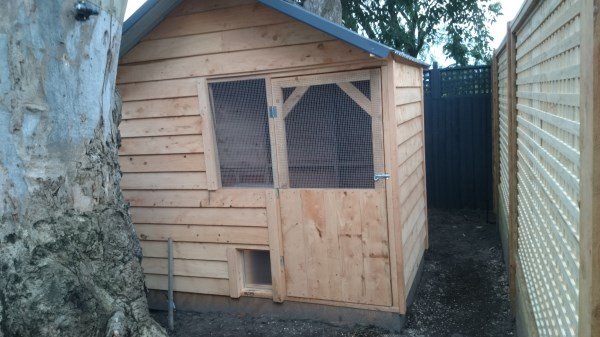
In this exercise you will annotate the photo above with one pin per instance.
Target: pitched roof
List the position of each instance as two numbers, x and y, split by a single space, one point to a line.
153 12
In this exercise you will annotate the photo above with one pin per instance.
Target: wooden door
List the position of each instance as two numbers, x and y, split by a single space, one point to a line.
333 207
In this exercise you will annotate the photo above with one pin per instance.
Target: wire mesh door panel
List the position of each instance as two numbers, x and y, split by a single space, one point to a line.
328 131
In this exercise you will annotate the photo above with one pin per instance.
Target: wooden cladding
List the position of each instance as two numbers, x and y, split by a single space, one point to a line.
349 247
410 167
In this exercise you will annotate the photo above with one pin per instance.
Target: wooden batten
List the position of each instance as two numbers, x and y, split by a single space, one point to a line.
213 174
512 164
589 279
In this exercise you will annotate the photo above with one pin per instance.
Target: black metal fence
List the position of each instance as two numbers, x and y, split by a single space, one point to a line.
458 137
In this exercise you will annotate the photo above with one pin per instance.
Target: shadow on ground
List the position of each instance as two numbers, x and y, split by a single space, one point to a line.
463 292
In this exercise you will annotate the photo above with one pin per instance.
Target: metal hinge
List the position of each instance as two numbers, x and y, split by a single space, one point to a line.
282 261
272 111
379 176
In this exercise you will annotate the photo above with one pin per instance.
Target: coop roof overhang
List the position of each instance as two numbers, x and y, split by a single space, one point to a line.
153 12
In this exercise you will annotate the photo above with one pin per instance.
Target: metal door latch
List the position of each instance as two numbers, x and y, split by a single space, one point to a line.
379 176
273 112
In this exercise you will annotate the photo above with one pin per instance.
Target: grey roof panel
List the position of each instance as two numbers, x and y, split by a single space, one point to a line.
153 11
342 33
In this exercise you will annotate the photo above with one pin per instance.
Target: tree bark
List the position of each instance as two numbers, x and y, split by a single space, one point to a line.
69 256
329 9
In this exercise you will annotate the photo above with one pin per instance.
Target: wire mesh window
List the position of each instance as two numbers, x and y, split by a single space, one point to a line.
242 132
329 138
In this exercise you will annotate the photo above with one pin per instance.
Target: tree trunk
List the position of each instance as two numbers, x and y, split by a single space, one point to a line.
329 9
69 256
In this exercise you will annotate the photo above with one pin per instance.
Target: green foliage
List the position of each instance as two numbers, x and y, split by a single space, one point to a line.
412 26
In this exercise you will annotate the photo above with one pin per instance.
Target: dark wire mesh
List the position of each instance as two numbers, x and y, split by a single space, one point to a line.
329 139
242 132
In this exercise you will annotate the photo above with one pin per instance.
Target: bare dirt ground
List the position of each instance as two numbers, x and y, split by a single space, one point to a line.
463 292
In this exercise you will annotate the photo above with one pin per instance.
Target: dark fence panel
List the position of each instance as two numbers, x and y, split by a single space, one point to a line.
458 137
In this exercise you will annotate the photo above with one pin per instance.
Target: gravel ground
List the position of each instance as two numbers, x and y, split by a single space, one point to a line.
463 292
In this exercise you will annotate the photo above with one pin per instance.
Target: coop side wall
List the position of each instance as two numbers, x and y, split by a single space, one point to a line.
546 142
412 198
162 154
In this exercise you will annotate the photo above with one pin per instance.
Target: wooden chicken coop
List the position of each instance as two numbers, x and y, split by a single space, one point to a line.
281 152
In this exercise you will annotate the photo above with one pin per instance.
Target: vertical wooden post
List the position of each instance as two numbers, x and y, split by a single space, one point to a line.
211 156
589 222
512 163
435 81
393 197
276 245
495 134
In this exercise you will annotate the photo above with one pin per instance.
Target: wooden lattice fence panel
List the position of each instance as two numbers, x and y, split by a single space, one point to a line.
502 71
548 159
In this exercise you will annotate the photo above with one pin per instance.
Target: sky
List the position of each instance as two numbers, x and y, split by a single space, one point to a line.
498 29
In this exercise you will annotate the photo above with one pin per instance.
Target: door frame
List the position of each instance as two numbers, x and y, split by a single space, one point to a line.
373 106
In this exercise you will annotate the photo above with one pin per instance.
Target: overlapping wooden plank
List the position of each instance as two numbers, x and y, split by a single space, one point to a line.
245 198
210 234
162 163
412 200
242 62
169 107
176 198
410 183
192 268
407 76
289 33
162 145
408 130
246 217
165 181
165 126
192 250
410 146
189 284
407 95
217 20
179 88
406 112
408 165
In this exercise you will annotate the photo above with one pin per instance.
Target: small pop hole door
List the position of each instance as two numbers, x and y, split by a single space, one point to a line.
329 140
257 269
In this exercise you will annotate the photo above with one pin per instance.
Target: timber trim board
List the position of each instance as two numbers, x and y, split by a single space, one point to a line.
495 134
211 155
393 197
589 222
512 164
276 246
